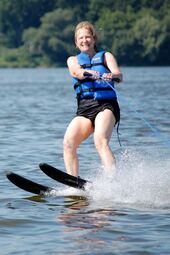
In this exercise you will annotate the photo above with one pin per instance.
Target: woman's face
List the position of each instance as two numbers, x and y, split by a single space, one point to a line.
85 40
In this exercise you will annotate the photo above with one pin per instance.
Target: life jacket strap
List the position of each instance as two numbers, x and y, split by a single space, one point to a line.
77 84
90 90
90 65
84 66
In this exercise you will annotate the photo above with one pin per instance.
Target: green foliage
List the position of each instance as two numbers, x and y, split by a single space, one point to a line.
112 25
19 15
147 31
41 32
17 58
53 39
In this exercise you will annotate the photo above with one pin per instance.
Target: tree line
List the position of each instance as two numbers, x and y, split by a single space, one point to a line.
41 32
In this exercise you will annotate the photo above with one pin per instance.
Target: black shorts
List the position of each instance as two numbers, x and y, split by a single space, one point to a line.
89 108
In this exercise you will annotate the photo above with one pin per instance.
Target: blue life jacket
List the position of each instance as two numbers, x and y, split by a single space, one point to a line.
89 88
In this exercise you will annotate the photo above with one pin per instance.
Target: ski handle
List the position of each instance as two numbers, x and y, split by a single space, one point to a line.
87 74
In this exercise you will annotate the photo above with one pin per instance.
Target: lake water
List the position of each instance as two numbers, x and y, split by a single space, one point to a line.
126 213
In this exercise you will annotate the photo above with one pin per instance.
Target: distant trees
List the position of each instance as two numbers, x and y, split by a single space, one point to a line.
16 16
54 37
136 39
41 32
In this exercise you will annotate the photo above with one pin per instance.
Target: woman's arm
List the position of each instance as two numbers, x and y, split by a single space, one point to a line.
76 70
111 63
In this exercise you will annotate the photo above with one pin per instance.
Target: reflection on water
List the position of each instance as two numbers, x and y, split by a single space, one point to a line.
39 199
89 219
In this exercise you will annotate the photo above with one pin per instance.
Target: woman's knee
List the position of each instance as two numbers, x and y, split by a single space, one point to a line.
100 142
69 143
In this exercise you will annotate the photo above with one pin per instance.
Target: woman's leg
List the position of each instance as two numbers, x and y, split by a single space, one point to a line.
78 130
104 124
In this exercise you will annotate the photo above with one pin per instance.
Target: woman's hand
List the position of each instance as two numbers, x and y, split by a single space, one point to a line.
107 76
112 77
92 74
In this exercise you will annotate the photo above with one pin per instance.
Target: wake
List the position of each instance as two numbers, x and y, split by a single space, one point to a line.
140 180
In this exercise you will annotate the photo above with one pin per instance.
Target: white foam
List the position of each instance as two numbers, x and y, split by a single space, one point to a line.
57 192
139 181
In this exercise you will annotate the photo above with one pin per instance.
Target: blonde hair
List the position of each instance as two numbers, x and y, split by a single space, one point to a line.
87 25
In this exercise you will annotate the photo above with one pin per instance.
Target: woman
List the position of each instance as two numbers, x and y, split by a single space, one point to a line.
98 110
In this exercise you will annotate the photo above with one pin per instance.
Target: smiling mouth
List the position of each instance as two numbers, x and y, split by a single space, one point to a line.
85 45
